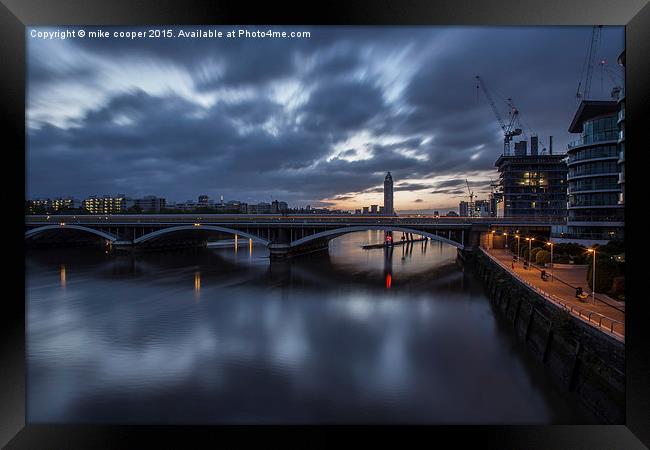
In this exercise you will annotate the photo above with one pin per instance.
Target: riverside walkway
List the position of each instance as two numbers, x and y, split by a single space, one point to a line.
606 314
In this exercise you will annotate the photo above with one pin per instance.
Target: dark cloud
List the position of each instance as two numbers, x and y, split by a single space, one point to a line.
342 106
256 148
450 183
456 182
342 60
447 191
411 187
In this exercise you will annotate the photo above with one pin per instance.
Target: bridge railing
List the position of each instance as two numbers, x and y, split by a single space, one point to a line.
274 218
606 324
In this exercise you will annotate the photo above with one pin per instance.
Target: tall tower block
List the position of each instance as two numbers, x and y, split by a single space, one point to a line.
388 194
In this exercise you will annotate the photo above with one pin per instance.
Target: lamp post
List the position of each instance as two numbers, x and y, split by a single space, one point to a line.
506 236
593 275
530 244
517 236
530 248
551 244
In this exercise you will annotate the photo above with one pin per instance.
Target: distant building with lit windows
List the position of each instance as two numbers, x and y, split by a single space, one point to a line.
204 201
496 204
38 206
64 203
533 185
235 205
481 208
107 204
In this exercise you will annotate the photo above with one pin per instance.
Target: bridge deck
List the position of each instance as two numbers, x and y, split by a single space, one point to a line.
274 219
296 232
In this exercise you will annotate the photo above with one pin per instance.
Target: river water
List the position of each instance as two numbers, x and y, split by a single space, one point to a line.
225 336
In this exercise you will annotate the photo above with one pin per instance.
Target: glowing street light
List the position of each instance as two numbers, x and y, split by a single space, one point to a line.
491 233
551 244
530 243
517 236
593 275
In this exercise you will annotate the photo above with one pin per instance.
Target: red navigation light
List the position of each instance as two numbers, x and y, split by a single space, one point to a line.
389 280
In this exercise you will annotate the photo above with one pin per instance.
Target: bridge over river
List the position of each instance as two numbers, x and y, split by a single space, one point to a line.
284 235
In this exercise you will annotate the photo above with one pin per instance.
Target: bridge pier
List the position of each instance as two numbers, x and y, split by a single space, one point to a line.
122 246
280 251
127 246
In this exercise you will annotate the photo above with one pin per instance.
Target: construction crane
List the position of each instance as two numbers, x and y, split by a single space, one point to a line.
527 129
509 130
616 78
470 206
588 64
494 185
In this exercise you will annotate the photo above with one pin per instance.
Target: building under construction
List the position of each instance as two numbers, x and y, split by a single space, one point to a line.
533 184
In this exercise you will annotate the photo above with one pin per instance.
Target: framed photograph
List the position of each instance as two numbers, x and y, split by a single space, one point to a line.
241 220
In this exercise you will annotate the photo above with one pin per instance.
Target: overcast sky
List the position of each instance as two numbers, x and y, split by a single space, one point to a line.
315 120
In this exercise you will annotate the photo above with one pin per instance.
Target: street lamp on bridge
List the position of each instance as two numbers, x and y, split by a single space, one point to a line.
551 244
530 244
593 275
518 237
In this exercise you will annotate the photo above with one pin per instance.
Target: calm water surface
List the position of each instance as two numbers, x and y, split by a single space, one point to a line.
223 336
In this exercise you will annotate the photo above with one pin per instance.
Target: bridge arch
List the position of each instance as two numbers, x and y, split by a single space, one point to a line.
345 230
35 231
164 231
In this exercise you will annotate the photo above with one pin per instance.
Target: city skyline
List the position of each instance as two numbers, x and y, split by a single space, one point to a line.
110 204
314 121
58 202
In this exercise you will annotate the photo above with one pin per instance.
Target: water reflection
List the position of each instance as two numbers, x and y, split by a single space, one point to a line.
351 335
388 266
197 285
62 275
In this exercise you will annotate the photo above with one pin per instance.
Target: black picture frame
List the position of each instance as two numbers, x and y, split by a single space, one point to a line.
15 15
